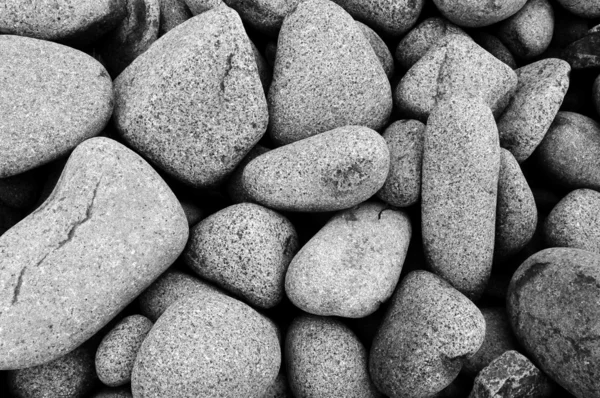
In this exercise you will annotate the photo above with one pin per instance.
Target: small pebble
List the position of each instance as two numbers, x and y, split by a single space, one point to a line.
494 46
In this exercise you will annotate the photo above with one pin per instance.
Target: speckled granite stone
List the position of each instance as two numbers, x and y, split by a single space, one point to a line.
234 186
381 49
429 329
583 8
325 359
209 62
348 85
584 53
264 15
110 227
478 13
390 17
330 171
172 14
494 46
52 97
461 163
199 6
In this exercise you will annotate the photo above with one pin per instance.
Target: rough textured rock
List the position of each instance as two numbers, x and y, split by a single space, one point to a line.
246 250
461 162
264 15
428 330
117 351
207 345
325 359
331 171
583 8
584 53
199 6
209 62
478 13
381 49
494 46
52 98
348 85
405 139
540 92
110 227
234 186
455 66
352 264
390 17
172 14
552 308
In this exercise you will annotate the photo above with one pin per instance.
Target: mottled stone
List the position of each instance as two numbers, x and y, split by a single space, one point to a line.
478 13
209 62
20 191
117 350
199 6
584 53
52 98
330 171
461 162
381 49
552 306
120 392
429 329
391 17
279 388
207 345
234 186
456 65
494 46
348 85
110 227
172 14
325 359
583 8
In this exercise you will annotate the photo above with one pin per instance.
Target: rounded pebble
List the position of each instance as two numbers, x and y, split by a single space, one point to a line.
381 49
478 13
199 6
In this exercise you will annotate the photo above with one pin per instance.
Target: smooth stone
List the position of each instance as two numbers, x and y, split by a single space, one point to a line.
390 17
245 249
110 227
70 376
199 6
264 15
575 222
121 392
279 388
20 191
552 306
234 185
494 46
478 13
330 171
516 211
167 289
405 140
53 98
119 347
461 163
583 8
207 345
134 34
428 330
528 33
324 358
172 14
570 151
584 53
193 213
76 22
209 62
540 92
381 49
348 85
455 66
596 94
352 264
415 44
511 375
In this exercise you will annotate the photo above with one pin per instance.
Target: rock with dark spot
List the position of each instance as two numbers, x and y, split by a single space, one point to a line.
552 306
348 85
429 329
209 62
461 162
455 66
20 191
264 15
52 98
494 46
330 171
199 6
381 49
584 53
583 8
172 14
234 186
120 392
110 227
325 359
279 388
478 13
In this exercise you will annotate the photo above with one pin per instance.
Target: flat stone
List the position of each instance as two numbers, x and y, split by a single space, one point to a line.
110 227
584 53
455 66
478 13
381 49
324 358
172 14
330 171
265 15
207 345
583 8
552 306
428 330
540 92
461 162
494 46
348 85
52 98
352 264
209 62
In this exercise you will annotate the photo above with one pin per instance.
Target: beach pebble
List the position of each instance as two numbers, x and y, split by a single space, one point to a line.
52 98
455 66
110 227
478 13
234 186
209 62
331 171
352 264
428 330
172 14
348 85
325 359
381 49
264 15
117 351
461 162
494 46
207 345
582 8
584 53
552 307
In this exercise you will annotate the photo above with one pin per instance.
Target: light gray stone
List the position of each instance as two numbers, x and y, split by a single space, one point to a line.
199 6
381 49
494 46
478 13
234 186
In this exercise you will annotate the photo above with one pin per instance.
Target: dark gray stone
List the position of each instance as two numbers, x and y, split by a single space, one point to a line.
193 213
264 15
583 8
494 46
584 53
234 186
172 14
199 6
478 13
279 388
265 73
120 392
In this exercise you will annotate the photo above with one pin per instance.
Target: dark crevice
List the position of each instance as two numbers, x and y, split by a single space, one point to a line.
440 76
18 286
228 69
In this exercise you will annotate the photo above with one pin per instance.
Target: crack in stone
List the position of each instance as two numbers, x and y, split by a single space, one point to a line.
440 77
18 286
228 69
